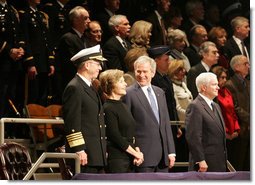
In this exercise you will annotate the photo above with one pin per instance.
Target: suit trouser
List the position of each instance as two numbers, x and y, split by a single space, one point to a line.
161 167
120 166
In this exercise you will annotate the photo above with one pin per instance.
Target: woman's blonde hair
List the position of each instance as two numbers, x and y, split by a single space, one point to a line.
109 78
139 34
174 66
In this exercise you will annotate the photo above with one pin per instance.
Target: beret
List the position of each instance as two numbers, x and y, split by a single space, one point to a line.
92 53
157 51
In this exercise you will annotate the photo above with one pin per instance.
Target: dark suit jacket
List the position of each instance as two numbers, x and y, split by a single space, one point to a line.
186 26
192 55
191 78
155 140
103 17
69 44
240 147
115 53
241 97
165 83
83 112
231 48
156 33
205 136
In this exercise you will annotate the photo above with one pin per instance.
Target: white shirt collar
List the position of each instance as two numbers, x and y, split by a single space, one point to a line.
60 4
207 100
109 12
237 40
84 79
207 68
120 40
33 9
79 34
3 3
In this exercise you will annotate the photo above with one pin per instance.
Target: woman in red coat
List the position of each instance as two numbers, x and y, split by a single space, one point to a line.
226 103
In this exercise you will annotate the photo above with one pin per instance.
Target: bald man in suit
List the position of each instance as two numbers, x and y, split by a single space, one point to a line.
205 133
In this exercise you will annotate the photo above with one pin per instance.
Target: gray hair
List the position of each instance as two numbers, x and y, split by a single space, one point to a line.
238 21
204 48
236 60
144 60
76 12
204 79
176 34
116 20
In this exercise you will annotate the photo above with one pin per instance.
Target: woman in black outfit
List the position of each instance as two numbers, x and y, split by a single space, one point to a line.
120 129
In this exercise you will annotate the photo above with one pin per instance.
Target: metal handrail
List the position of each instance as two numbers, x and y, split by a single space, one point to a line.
28 121
45 155
178 123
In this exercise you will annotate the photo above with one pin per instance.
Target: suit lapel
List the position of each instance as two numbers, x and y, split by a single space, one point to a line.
119 45
87 89
235 46
221 118
211 113
144 102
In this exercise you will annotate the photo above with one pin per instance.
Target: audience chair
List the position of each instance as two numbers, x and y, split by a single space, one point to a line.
15 161
42 134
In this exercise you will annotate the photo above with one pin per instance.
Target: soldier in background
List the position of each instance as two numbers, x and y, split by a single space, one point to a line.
35 27
58 19
59 24
13 51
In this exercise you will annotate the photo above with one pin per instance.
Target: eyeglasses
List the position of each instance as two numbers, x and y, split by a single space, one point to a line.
96 63
96 31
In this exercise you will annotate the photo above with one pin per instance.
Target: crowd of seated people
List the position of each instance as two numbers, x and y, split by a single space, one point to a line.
38 38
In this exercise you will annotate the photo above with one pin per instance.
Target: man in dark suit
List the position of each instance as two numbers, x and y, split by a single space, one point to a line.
195 11
103 16
83 112
205 131
71 43
115 49
238 44
161 56
158 33
198 35
153 129
239 87
210 56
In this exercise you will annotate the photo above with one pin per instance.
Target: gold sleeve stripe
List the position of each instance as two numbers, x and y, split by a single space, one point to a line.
29 58
75 139
74 134
76 143
51 57
3 46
